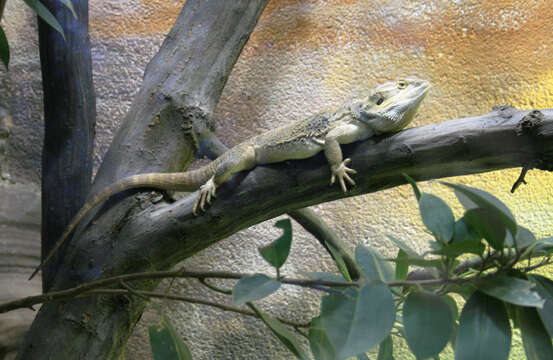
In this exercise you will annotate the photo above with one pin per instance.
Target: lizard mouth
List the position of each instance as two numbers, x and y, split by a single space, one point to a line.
394 115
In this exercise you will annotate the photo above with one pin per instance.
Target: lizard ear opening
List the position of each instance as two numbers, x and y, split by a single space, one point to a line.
380 101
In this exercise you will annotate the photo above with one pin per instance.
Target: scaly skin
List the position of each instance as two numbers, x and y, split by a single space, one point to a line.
388 108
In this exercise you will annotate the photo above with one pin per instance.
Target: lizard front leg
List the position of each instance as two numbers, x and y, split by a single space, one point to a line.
237 159
343 134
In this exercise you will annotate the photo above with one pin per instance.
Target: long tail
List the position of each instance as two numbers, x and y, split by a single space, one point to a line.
186 181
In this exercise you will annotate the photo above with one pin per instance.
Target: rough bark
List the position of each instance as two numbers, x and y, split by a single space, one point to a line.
182 85
69 121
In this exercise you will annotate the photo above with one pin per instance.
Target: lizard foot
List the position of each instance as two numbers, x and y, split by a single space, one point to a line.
207 191
341 172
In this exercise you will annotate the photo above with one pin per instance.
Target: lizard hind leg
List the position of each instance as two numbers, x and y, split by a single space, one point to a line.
207 191
235 160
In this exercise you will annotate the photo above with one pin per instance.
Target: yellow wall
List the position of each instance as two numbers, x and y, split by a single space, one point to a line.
478 54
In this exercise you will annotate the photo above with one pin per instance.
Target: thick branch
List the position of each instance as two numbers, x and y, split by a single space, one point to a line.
182 85
456 147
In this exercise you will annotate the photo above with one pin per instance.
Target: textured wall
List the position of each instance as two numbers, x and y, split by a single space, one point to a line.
304 56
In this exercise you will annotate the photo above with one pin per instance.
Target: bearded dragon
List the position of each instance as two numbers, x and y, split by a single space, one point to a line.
387 108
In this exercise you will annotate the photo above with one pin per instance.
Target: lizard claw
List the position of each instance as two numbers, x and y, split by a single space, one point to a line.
207 191
341 172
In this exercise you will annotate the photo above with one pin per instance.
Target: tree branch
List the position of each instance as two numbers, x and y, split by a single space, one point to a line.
455 147
415 278
84 289
191 300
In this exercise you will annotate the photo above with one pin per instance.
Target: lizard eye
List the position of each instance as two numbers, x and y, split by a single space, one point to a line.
380 101
401 84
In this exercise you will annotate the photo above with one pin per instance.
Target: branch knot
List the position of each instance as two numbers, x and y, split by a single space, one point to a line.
530 121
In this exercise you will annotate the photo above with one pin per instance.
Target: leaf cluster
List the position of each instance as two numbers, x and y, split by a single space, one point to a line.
475 263
42 13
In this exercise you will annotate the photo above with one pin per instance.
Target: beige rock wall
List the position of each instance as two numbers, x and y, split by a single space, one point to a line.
304 56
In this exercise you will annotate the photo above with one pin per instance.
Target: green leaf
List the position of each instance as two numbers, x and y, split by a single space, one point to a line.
428 323
372 265
488 225
402 268
163 345
4 48
544 287
465 232
543 246
512 290
455 249
320 344
286 337
386 349
359 321
69 5
412 253
252 288
362 357
413 185
45 15
437 216
524 238
277 252
339 261
484 200
484 332
535 338
452 306
165 342
465 290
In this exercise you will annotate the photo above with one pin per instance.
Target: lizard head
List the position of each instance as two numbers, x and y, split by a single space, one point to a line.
391 106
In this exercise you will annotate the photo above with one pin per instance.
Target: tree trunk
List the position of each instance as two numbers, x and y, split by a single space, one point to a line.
182 85
69 121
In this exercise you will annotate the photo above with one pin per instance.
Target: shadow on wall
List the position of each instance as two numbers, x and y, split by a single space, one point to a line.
19 247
